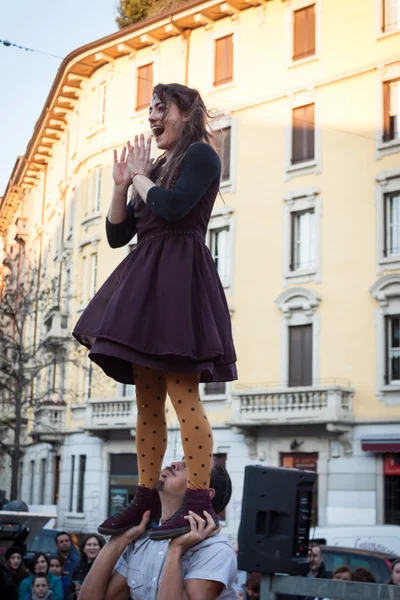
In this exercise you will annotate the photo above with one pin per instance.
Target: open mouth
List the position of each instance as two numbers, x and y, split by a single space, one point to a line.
157 130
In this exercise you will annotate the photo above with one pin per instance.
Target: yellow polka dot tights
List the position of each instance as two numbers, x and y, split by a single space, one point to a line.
151 429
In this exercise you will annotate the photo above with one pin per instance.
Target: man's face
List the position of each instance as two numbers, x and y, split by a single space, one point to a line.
315 558
40 587
173 479
63 543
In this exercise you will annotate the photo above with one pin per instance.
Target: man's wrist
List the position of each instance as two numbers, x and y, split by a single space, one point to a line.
175 551
122 187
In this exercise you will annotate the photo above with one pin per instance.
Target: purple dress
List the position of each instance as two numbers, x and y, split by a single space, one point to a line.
164 306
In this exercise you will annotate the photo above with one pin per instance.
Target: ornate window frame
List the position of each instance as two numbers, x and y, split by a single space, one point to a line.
386 291
387 181
299 307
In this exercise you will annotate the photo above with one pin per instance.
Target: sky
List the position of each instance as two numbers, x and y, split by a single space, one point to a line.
50 26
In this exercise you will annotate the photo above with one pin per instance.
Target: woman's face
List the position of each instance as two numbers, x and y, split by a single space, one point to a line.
396 574
55 567
166 123
15 560
91 549
41 565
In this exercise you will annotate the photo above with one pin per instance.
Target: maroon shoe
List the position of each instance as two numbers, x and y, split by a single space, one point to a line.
195 500
131 515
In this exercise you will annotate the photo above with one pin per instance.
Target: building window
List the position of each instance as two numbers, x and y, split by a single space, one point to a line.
21 478
303 134
32 482
300 355
392 328
391 469
124 479
93 275
127 391
88 380
84 280
102 99
221 458
391 110
302 240
304 32
71 487
144 86
222 139
390 15
57 465
97 189
81 483
215 388
223 65
42 480
219 250
304 461
391 224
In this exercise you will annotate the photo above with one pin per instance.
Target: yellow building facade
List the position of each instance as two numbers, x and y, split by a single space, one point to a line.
305 99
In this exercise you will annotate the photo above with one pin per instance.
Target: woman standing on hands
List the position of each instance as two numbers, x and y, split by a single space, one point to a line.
161 320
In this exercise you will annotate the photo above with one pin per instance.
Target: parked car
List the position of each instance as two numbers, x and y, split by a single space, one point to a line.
375 538
379 563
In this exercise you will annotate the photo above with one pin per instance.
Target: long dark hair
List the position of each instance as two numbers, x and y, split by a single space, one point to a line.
195 129
84 541
20 573
35 558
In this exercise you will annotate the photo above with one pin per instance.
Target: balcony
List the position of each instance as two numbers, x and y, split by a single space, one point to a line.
22 232
106 414
49 422
55 328
317 404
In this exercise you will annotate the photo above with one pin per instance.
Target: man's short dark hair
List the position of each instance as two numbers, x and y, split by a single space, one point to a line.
40 576
60 533
221 483
315 545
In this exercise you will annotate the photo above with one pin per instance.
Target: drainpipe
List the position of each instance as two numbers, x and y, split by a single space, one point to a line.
186 36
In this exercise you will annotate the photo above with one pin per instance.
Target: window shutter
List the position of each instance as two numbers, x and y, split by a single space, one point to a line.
300 355
386 111
223 68
293 217
303 134
144 86
387 342
304 32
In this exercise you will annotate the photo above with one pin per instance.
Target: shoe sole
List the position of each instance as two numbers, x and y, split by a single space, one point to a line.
105 531
160 536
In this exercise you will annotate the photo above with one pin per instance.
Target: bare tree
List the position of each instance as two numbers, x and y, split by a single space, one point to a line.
35 340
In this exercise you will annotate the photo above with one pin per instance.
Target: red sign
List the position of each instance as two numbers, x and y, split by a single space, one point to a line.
391 464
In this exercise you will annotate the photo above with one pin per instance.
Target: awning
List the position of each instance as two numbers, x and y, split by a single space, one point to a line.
381 442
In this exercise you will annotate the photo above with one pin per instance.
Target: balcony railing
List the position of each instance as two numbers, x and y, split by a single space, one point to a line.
49 421
110 413
329 403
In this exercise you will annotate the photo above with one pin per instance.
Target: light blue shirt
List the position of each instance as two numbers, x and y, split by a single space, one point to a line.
213 559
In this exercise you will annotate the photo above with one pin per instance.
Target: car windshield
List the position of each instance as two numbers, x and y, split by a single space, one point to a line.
333 560
43 543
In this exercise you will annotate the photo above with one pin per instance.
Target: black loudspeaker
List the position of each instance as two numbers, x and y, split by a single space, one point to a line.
275 524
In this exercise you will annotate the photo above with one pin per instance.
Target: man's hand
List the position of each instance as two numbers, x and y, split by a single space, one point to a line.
134 533
200 529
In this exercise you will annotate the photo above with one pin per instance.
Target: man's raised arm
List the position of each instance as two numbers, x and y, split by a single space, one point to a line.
101 582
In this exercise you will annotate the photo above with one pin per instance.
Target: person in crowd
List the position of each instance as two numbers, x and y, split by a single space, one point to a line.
363 575
161 320
198 564
241 592
395 578
15 564
40 564
67 551
253 584
8 589
317 567
40 588
57 568
343 573
90 547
